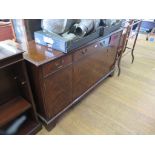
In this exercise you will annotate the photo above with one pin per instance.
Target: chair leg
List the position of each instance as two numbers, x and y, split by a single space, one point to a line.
132 54
119 66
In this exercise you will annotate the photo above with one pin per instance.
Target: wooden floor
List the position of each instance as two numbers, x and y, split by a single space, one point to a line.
121 105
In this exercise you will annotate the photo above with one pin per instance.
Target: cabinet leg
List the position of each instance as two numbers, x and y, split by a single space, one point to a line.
50 126
112 74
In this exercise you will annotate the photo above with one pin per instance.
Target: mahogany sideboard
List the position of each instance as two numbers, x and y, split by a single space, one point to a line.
60 80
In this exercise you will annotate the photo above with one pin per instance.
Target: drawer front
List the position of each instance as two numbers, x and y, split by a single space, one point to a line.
55 65
81 53
13 59
91 48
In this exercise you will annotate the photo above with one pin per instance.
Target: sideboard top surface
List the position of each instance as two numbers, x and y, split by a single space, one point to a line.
39 55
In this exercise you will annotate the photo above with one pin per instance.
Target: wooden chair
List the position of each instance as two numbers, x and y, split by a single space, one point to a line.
122 45
124 41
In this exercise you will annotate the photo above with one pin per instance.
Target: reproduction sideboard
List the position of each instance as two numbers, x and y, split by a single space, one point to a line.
61 80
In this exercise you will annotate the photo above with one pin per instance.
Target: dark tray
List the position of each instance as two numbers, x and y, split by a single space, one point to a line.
107 30
59 43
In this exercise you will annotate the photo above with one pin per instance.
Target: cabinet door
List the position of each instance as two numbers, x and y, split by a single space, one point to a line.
92 63
89 67
101 57
83 71
112 48
107 51
58 91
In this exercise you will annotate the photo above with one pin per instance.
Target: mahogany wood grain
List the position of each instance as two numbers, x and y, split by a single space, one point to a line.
12 109
123 105
39 55
36 81
58 85
30 127
15 91
56 65
58 91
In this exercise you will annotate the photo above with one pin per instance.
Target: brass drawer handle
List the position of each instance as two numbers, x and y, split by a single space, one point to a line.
23 82
15 78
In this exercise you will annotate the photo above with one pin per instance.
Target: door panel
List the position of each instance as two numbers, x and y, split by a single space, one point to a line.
58 91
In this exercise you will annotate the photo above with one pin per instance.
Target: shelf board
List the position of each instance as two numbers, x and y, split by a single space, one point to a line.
12 109
30 127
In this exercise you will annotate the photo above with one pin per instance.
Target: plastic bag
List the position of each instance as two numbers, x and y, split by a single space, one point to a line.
57 26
